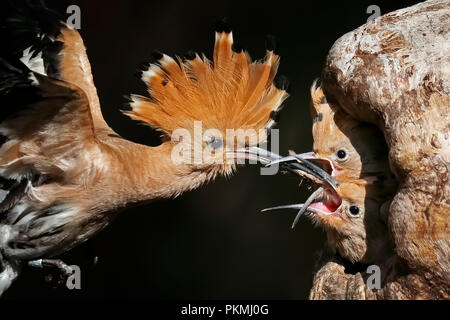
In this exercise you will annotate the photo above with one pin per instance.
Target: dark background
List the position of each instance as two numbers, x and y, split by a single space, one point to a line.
212 243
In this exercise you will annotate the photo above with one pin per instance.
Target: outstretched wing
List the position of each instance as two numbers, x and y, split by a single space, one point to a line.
36 37
48 101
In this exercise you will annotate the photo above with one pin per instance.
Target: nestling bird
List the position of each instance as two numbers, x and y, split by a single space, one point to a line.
353 210
351 216
348 149
65 172
409 104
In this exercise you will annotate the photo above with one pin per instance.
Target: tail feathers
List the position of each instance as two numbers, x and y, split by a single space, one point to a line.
229 92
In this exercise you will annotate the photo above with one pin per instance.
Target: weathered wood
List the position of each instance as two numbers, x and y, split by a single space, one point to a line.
394 72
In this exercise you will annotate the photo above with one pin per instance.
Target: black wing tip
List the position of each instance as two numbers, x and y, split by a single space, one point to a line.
34 16
31 24
17 90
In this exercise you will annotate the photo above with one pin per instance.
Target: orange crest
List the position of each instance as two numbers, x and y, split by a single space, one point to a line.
232 92
319 106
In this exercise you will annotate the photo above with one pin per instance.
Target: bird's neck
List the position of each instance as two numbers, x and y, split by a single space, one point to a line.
149 173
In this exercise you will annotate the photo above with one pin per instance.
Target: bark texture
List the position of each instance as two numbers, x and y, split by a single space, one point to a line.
394 72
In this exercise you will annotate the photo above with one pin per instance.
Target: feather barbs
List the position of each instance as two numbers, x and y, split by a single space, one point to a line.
319 103
230 92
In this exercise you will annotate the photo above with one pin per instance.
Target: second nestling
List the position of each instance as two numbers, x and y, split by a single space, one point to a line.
356 185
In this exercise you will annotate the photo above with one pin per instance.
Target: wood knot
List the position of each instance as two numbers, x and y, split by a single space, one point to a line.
435 142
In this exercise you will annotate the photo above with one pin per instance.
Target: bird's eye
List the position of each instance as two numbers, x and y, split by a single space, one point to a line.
354 211
215 143
342 155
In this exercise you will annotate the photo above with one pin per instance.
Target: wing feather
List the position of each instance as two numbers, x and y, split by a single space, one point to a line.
50 109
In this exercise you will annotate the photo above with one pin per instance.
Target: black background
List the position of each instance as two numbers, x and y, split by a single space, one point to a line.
211 243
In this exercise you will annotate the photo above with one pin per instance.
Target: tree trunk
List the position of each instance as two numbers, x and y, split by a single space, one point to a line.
394 72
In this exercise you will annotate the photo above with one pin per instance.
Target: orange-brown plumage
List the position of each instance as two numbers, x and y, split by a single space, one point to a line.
73 171
353 212
230 93
363 144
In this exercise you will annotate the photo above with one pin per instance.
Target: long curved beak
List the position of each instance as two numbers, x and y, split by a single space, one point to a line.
266 158
293 160
302 207
295 163
261 155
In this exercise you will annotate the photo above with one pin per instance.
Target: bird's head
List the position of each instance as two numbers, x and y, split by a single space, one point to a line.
347 149
356 182
352 216
353 219
212 112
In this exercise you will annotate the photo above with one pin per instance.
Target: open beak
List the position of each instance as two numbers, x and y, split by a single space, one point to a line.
294 163
325 200
302 206
317 174
325 162
320 202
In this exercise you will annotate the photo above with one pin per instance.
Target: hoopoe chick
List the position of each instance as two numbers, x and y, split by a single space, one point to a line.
350 213
348 149
352 218
352 204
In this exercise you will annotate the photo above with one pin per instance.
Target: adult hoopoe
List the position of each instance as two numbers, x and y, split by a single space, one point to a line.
348 149
353 211
64 172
